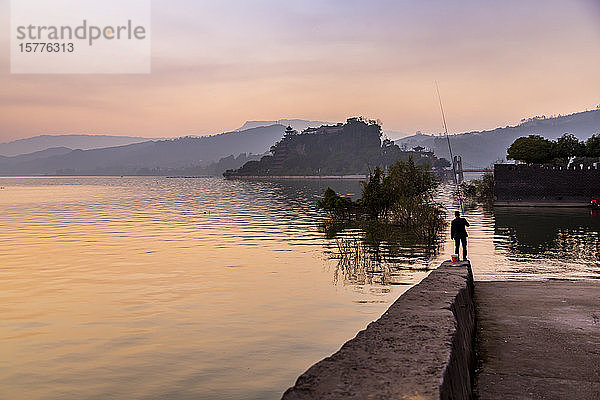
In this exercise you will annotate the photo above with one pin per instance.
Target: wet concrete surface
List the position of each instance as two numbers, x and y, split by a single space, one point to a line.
538 340
421 348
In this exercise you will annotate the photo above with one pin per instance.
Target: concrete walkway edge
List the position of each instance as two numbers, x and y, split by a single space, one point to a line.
421 348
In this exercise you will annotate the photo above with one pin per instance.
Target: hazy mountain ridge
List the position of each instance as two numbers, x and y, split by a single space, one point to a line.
75 141
478 148
151 155
53 151
297 124
394 135
482 148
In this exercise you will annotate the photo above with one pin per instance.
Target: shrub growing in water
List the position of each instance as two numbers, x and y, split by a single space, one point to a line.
480 190
337 206
402 197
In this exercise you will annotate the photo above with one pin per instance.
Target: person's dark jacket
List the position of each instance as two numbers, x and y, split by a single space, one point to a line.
458 228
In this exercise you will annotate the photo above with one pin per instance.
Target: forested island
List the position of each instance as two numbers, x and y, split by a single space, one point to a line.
354 147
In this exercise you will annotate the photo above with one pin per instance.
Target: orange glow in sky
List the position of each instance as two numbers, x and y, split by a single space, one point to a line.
218 64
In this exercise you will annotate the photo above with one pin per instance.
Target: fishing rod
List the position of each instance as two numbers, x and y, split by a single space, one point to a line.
454 174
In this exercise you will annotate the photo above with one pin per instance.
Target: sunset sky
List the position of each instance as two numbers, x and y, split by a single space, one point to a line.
219 63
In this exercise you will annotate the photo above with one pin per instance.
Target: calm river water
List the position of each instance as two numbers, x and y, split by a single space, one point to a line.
155 288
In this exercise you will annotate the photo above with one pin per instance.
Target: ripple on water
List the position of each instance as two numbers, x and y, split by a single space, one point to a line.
214 289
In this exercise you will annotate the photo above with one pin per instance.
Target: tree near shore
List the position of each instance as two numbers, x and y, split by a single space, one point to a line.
592 146
402 198
568 146
411 188
533 149
480 190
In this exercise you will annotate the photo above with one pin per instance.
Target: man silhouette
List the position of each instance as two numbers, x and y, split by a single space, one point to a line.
458 232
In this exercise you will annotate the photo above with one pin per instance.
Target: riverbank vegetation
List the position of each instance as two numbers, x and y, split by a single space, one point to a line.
479 190
377 253
394 224
402 197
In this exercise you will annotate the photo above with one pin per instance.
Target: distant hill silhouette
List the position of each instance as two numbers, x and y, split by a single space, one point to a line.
48 155
214 169
297 124
480 149
149 157
394 135
83 142
53 151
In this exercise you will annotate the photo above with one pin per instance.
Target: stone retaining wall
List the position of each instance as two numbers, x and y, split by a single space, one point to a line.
421 348
539 185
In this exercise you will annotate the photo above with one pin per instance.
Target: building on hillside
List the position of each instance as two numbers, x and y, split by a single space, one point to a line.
324 130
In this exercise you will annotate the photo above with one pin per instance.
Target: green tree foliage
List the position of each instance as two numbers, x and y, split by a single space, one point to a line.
406 179
399 193
480 190
568 146
533 149
336 205
592 146
402 197
410 186
341 149
441 163
538 150
376 197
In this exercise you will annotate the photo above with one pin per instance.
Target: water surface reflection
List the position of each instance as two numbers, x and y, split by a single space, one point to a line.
563 243
210 289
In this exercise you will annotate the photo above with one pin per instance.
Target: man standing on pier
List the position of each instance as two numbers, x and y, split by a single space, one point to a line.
458 232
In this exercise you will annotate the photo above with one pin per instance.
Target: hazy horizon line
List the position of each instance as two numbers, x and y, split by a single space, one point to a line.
399 131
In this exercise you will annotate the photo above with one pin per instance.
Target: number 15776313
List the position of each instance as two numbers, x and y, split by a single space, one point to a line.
40 47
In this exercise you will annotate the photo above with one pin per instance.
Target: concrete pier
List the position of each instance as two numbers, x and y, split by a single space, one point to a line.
451 338
421 348
538 340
